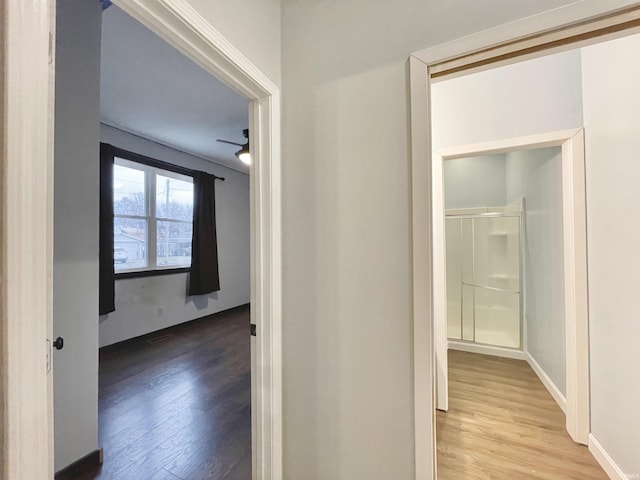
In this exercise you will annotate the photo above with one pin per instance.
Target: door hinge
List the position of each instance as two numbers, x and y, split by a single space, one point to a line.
253 329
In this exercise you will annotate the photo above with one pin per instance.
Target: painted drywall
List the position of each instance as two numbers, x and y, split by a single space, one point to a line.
75 252
252 26
475 182
138 300
347 325
536 176
611 105
541 95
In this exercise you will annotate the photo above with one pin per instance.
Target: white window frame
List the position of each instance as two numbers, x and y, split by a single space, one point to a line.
150 189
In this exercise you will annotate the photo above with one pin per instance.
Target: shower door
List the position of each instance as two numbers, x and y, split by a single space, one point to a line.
483 279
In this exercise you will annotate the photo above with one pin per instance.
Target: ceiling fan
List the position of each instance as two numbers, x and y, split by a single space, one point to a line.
242 154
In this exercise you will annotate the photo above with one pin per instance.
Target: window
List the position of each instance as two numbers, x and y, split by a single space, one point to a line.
153 217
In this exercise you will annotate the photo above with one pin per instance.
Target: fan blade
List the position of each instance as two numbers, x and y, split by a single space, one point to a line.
227 141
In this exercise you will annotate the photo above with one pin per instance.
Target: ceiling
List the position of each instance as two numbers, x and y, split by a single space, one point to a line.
149 88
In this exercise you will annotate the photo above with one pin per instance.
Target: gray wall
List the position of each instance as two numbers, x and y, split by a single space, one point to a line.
475 182
138 299
536 175
75 254
611 106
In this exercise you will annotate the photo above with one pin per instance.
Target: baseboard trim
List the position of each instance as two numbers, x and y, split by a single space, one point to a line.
81 466
548 383
487 350
605 461
143 337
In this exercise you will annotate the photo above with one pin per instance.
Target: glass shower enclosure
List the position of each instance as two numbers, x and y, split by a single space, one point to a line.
483 255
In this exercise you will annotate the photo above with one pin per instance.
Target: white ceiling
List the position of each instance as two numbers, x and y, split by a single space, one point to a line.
149 88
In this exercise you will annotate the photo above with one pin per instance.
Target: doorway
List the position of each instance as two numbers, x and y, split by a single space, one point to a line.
159 143
498 234
32 230
480 52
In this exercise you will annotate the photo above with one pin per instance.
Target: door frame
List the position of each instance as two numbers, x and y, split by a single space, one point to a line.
27 229
184 28
576 404
572 26
26 238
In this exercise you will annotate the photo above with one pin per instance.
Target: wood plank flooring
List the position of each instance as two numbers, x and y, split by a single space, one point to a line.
502 424
176 405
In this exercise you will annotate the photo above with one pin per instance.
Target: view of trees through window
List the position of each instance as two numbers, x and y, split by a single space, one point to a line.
153 215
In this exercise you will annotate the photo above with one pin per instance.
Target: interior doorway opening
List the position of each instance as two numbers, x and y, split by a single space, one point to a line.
163 252
172 251
547 33
492 258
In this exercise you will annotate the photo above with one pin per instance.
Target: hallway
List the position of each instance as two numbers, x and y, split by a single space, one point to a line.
502 424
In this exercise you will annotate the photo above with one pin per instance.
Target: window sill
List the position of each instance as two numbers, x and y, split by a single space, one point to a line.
151 273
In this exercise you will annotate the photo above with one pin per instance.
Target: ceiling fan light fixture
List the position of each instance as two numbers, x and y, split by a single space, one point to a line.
244 156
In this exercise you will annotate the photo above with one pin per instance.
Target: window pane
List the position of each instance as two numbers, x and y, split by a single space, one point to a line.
129 243
174 198
174 244
128 191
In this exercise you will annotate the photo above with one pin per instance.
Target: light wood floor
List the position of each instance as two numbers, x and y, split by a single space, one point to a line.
502 424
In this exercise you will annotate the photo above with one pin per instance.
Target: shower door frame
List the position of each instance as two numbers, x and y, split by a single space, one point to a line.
468 345
577 401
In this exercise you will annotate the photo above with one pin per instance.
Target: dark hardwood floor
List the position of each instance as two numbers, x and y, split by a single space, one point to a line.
176 405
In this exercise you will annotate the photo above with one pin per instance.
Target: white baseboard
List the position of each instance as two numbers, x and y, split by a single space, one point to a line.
486 350
605 461
546 381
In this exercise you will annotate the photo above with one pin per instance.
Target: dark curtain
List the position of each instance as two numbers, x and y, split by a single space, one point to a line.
204 276
107 275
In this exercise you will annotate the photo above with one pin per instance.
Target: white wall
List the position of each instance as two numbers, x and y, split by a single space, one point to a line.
347 324
138 299
611 76
75 270
542 95
536 175
475 182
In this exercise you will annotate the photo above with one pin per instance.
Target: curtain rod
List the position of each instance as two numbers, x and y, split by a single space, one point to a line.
153 162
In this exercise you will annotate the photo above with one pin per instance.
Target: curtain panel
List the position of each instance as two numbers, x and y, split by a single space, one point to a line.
204 277
106 269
